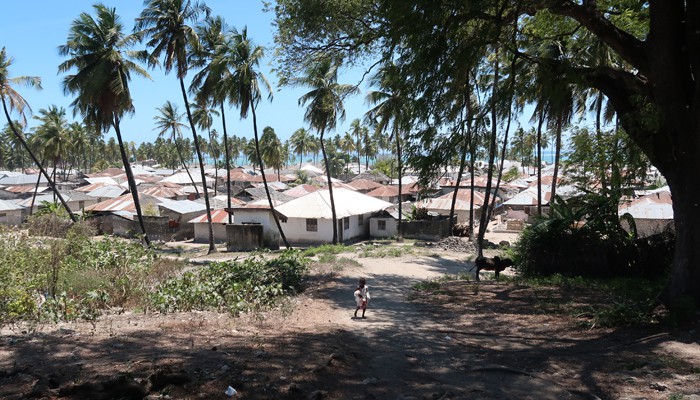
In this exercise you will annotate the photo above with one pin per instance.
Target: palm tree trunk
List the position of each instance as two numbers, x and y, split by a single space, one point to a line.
557 154
132 182
36 189
398 156
212 247
184 164
228 164
36 161
539 163
330 187
484 220
262 172
216 168
463 159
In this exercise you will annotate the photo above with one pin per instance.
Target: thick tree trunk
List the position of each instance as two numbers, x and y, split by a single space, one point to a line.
557 155
539 163
212 247
397 137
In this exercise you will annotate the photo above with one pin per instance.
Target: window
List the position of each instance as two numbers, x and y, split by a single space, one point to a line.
346 223
311 225
381 225
360 220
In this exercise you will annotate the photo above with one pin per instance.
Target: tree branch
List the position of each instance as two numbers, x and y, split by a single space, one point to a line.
627 46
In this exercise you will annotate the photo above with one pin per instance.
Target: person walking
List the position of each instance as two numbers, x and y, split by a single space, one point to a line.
362 297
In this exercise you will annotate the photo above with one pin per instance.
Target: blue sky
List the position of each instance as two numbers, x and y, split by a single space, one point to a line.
31 32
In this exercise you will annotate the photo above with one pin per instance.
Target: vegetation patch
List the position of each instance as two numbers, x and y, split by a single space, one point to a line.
325 249
251 285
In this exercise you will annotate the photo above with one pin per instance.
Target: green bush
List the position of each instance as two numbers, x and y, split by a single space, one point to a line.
233 286
324 249
583 236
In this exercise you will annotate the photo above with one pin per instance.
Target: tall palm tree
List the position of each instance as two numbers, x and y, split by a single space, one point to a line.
300 142
326 106
217 56
165 25
390 109
13 101
168 123
99 51
248 81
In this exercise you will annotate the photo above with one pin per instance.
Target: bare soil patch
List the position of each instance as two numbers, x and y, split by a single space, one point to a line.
491 341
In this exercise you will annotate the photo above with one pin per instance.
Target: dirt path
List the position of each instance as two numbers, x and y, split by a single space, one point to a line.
486 342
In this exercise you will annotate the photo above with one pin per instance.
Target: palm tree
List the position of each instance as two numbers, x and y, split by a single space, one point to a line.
247 81
356 130
301 143
164 23
325 108
52 135
168 122
203 117
13 101
390 107
214 83
99 51
251 152
271 150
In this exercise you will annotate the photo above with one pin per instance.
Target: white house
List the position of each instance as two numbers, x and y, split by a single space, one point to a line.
309 219
219 219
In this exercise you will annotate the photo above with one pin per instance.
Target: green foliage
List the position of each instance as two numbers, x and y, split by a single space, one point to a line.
325 249
512 174
583 236
386 166
74 276
235 287
385 251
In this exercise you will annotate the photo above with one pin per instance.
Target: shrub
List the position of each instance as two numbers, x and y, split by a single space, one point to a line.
233 286
584 237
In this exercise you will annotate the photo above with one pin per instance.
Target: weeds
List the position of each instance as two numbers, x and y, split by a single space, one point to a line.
383 252
252 285
325 250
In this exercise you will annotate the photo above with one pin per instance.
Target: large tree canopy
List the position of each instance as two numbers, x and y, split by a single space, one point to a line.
641 55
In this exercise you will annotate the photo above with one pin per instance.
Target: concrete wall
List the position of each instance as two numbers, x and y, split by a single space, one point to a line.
271 236
201 233
426 229
12 217
158 228
244 237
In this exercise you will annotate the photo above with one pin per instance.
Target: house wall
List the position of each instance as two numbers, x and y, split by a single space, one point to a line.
201 233
271 236
462 215
296 233
391 228
12 217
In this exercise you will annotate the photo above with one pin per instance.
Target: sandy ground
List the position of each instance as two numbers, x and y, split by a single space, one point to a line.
483 341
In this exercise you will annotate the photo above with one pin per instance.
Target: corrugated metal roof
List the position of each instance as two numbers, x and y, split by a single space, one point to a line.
91 187
122 203
26 189
317 205
339 185
6 205
22 180
528 197
183 178
109 191
464 194
181 206
301 190
657 205
163 191
364 184
446 204
217 217
384 191
107 172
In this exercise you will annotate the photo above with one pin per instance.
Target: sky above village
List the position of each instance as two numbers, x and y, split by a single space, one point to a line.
31 32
